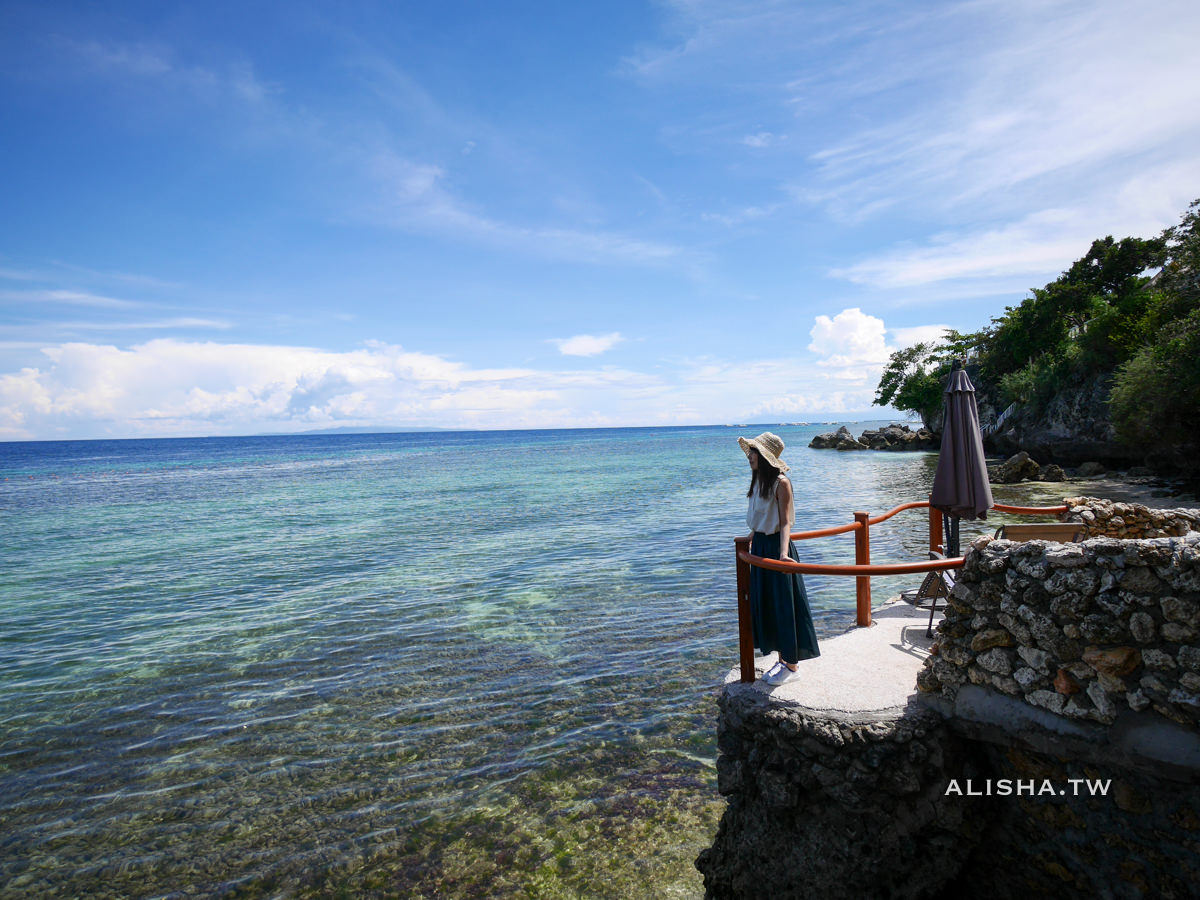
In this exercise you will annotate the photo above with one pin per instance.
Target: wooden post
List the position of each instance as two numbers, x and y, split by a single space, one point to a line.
862 557
745 626
935 530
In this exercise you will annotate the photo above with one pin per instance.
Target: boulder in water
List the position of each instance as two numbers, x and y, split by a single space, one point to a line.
1018 468
1053 473
831 439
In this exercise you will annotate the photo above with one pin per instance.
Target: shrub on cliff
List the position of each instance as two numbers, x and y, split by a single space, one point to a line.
1156 393
1105 314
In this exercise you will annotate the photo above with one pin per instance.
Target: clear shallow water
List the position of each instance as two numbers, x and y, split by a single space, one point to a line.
449 664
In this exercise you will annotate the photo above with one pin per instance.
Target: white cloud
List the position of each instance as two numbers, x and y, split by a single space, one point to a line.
149 325
160 64
18 275
415 196
169 386
851 338
1026 128
747 214
848 352
70 298
1060 91
1075 122
762 139
743 390
172 387
1040 244
587 344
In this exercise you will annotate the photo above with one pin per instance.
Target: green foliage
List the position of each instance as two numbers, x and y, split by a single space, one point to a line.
1035 383
1098 305
1103 315
912 379
1156 394
1180 277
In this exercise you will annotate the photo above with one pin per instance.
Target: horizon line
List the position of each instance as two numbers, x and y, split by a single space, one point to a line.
348 431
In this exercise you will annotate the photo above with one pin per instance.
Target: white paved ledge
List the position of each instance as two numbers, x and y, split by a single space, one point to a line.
864 670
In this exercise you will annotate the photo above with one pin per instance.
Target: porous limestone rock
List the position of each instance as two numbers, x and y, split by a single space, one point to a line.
1019 467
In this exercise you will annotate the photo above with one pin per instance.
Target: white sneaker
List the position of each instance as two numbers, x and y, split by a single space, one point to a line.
774 670
783 676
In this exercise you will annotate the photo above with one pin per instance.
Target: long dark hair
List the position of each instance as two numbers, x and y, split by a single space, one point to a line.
764 476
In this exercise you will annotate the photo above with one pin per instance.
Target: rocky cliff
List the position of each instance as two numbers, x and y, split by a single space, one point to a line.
1073 427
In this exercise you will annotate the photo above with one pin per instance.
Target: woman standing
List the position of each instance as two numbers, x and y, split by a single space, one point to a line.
778 601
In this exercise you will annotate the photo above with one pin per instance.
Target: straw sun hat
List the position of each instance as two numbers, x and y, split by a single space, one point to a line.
768 445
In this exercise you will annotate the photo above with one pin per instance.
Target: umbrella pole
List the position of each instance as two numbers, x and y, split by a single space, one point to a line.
950 525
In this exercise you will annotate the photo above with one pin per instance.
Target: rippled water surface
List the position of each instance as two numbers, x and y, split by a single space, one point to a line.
449 664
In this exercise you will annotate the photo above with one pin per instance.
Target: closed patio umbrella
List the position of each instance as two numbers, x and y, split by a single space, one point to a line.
960 486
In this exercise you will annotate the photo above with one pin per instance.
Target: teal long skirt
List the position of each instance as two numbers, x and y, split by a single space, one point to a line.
779 605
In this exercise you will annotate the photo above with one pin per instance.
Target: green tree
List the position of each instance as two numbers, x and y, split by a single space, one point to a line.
1105 314
1180 276
1098 304
1156 393
912 380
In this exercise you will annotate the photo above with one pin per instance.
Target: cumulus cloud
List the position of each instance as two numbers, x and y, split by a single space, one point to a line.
850 338
850 350
169 386
839 375
587 344
172 386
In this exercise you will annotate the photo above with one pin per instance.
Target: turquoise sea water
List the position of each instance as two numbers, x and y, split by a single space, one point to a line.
446 664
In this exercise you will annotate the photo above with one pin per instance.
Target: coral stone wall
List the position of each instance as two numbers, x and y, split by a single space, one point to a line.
833 805
1082 630
1134 841
1130 520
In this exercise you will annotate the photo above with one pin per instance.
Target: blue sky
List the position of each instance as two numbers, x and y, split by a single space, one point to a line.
230 218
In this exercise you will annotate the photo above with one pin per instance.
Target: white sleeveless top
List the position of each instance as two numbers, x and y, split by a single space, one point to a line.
763 512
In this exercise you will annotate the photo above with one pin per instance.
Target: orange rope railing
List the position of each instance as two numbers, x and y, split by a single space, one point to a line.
1031 510
781 565
900 508
862 570
825 532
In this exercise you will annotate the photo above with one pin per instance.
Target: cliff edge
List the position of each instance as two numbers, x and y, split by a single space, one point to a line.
1051 746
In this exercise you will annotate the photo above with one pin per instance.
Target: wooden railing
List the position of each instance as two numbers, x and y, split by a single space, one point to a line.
862 570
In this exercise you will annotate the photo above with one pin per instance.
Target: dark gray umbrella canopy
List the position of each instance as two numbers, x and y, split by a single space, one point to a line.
960 486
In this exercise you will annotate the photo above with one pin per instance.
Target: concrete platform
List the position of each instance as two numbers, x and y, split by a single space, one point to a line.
864 670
